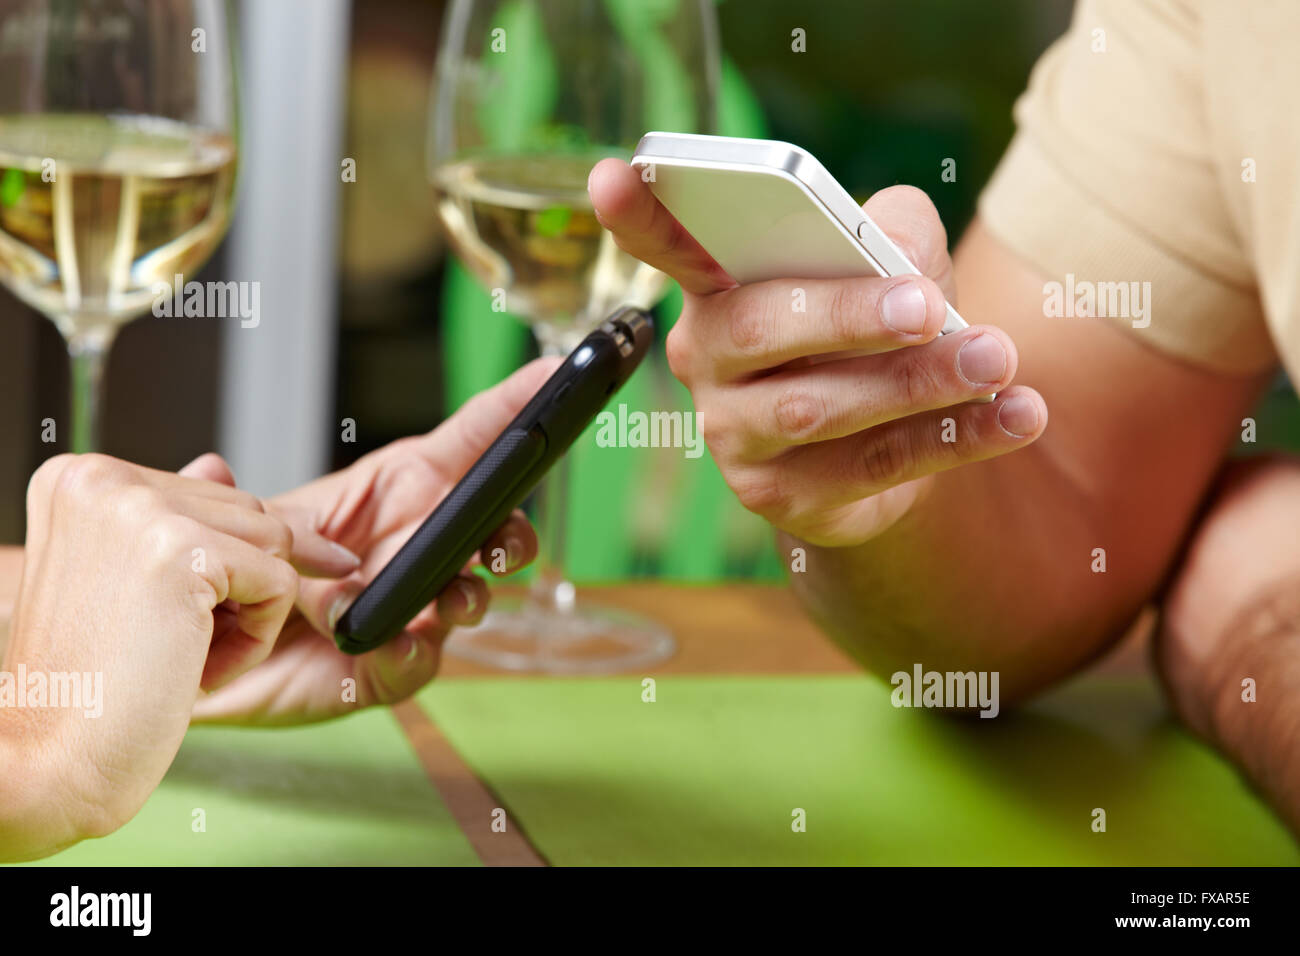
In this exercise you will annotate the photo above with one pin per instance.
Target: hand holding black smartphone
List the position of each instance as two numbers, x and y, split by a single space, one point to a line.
498 482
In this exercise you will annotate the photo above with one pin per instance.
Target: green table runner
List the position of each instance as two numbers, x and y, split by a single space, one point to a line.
713 771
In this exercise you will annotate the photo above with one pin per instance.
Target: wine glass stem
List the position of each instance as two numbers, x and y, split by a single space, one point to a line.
551 592
88 351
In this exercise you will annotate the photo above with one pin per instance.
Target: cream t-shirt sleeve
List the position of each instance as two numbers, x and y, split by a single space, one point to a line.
1110 179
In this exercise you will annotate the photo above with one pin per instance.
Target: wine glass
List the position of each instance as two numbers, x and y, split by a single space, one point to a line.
528 96
117 164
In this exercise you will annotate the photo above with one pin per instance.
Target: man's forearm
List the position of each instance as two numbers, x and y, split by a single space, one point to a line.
1253 686
991 571
1031 563
1228 646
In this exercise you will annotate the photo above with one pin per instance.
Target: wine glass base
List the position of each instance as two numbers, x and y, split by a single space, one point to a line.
519 636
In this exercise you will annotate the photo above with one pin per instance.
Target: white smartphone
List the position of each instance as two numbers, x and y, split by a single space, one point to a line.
768 210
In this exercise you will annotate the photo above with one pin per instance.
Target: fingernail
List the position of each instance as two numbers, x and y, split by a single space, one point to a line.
514 553
337 609
468 593
903 308
982 360
1018 416
345 553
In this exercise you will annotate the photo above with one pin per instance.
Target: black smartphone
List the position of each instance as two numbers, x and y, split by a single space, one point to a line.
498 482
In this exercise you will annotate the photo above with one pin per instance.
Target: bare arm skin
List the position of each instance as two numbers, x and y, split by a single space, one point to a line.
1232 614
993 569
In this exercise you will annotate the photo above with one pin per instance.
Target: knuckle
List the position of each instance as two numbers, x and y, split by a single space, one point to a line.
849 301
915 383
715 428
799 413
405 471
169 538
887 458
952 450
761 493
747 325
136 503
88 475
677 349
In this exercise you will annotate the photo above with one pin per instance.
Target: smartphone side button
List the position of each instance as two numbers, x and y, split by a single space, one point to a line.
561 393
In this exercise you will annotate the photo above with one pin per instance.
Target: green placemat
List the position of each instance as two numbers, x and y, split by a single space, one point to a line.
348 792
713 771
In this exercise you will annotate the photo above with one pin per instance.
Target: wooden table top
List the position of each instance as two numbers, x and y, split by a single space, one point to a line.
740 628
719 629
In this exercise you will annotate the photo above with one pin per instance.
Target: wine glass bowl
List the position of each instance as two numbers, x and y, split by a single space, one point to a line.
523 224
117 164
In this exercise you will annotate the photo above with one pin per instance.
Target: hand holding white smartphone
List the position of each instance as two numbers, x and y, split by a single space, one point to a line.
768 210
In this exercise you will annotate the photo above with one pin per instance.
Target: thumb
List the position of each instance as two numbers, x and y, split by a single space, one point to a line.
455 444
322 601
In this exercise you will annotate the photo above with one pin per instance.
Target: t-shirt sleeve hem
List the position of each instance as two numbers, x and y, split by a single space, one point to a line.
1043 216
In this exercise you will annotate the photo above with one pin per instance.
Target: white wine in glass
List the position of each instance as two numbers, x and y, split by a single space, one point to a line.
117 164
528 96
525 224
